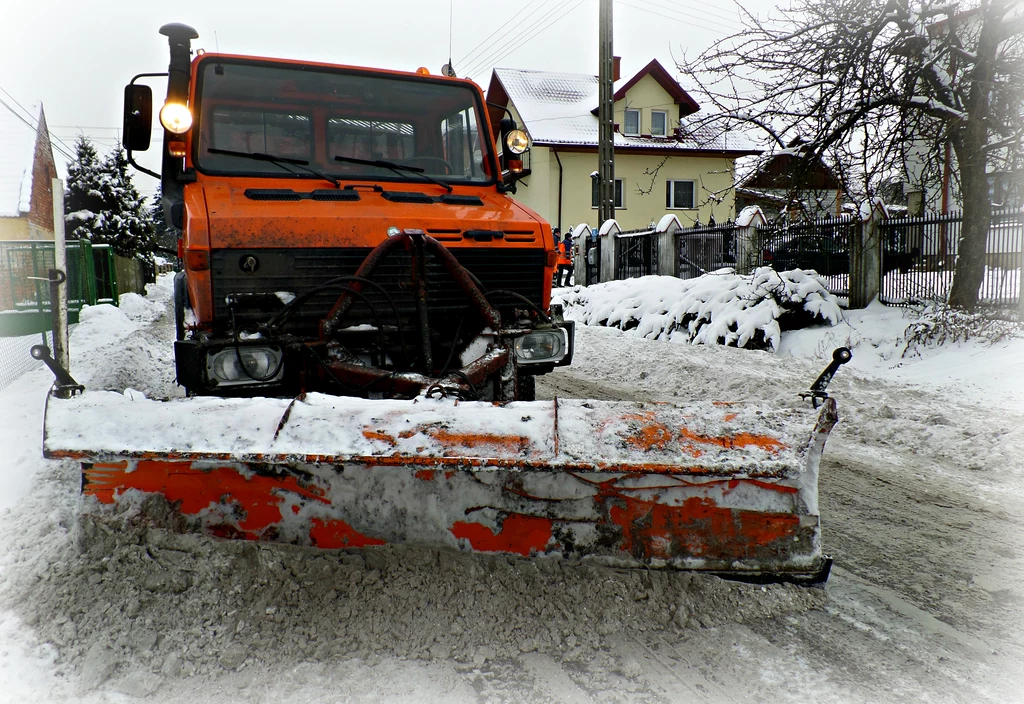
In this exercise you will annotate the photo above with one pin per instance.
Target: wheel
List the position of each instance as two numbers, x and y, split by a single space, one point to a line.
429 159
526 387
180 303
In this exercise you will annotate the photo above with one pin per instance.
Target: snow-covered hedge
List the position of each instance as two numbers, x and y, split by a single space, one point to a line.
720 308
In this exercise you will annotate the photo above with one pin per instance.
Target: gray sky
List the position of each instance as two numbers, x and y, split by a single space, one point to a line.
75 56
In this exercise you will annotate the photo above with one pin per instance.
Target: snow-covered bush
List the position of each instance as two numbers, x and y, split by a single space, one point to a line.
721 308
938 324
103 205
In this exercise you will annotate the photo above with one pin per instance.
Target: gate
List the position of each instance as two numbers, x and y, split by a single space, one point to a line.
636 254
822 245
706 248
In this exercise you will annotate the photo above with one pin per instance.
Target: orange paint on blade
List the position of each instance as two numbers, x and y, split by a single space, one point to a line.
336 533
649 435
255 499
698 527
519 534
379 435
453 441
732 442
425 474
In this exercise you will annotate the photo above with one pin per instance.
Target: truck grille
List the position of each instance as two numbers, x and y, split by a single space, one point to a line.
298 271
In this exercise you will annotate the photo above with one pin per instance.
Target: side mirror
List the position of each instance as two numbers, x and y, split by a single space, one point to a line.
138 117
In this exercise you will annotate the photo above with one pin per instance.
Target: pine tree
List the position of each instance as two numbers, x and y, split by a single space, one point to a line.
166 234
128 221
85 202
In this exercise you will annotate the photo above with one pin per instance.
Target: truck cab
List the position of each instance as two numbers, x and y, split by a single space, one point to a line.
347 230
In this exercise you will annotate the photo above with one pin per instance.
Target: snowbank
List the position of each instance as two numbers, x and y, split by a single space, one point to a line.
722 308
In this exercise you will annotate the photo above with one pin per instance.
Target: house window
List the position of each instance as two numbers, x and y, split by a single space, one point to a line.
680 194
632 126
659 123
618 193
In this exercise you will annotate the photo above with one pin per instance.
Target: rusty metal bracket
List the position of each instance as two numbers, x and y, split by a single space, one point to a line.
817 393
64 384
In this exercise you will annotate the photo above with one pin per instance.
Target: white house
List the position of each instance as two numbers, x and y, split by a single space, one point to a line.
660 165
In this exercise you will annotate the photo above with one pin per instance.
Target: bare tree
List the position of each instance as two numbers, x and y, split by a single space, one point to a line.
872 86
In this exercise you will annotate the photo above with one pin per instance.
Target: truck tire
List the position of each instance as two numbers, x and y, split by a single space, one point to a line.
180 303
526 387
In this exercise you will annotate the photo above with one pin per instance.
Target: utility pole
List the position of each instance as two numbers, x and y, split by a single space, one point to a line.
606 119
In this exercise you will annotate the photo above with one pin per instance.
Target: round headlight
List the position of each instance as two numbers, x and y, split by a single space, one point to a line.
394 231
517 141
175 118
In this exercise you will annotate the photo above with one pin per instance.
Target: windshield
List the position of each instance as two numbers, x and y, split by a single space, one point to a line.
336 121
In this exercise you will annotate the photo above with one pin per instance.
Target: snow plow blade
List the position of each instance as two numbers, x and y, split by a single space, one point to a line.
727 488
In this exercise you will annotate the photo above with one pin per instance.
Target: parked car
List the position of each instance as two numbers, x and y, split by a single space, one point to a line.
829 257
824 255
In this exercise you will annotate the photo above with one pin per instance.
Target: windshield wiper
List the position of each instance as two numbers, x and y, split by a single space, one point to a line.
397 168
281 161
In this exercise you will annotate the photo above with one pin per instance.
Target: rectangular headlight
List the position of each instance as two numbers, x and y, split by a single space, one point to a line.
541 346
245 365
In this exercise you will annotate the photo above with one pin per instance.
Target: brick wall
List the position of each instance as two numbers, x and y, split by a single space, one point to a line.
40 215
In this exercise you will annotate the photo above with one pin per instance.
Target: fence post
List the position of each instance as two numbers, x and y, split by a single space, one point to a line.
609 252
748 255
668 241
59 304
112 268
89 271
866 255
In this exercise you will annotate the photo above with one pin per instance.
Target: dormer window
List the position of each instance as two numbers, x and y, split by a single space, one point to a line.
631 128
659 123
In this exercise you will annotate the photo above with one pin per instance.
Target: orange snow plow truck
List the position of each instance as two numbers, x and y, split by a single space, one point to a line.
361 314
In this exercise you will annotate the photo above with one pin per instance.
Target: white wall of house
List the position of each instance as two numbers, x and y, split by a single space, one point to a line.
16 229
647 95
644 180
644 175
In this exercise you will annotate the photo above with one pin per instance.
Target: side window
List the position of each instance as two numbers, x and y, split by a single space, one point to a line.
618 193
460 137
659 123
632 123
680 194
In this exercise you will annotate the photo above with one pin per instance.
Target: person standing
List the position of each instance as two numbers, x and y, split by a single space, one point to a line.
556 235
565 266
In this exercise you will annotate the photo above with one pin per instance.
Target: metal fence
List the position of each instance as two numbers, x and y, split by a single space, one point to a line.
822 245
24 273
705 248
25 317
919 256
636 254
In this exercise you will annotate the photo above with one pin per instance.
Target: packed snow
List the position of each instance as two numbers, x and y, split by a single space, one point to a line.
122 611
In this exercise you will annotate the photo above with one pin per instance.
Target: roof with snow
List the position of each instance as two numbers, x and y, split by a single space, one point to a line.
17 151
560 109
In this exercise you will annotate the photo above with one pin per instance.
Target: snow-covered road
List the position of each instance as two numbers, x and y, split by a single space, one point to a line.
922 494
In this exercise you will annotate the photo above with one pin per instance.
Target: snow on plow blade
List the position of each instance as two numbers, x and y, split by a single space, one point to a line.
728 488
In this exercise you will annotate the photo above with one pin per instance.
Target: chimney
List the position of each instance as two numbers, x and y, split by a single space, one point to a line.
616 60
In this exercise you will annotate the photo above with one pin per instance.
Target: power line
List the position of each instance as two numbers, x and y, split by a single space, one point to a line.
31 122
736 25
543 23
503 27
688 22
495 52
482 59
504 51
34 128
